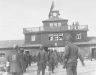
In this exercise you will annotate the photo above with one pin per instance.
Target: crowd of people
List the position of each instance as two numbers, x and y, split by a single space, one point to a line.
19 60
48 58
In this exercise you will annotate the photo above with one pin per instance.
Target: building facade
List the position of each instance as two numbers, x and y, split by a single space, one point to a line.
53 32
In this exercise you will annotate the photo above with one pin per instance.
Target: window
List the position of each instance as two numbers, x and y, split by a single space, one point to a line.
61 36
56 37
78 36
33 38
2 54
51 24
59 24
51 37
55 24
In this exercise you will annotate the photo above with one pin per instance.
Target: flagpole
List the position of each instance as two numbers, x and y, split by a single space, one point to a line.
52 7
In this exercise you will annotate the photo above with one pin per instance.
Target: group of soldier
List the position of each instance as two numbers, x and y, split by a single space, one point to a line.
50 58
69 58
19 61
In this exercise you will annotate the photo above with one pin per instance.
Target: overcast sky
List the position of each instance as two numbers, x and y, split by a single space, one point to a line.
18 14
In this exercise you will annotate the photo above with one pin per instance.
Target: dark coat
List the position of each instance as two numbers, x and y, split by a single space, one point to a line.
51 58
15 61
23 61
51 61
41 62
72 53
42 58
26 58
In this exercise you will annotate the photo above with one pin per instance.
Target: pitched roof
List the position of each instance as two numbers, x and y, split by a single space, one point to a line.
34 45
90 40
54 19
10 43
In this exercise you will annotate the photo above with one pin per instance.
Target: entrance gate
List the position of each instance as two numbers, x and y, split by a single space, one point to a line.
58 49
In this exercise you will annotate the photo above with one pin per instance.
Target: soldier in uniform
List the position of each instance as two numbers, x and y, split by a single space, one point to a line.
56 58
30 59
15 61
41 61
51 61
23 59
71 55
27 58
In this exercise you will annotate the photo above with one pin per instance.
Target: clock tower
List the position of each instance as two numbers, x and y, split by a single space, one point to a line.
54 13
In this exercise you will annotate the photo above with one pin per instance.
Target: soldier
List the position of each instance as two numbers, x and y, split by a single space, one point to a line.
23 59
51 62
34 58
15 61
46 55
70 57
41 61
30 59
56 58
27 58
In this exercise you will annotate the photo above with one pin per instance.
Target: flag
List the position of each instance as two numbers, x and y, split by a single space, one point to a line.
52 7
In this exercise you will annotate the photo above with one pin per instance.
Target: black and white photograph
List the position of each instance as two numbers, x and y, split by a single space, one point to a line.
47 37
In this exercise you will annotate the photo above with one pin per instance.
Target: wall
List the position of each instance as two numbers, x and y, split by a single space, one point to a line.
42 38
63 23
83 35
7 52
46 42
28 39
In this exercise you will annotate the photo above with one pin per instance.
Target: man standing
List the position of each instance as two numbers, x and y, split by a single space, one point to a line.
71 55
23 59
15 61
56 58
41 61
51 61
30 58
27 58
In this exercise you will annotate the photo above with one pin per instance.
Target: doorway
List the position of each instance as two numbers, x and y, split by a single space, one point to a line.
58 49
94 53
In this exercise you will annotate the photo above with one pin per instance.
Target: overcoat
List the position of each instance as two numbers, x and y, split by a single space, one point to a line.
71 55
41 58
51 62
15 61
41 62
23 61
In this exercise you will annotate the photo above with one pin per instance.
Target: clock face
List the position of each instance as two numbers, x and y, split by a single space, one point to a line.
54 14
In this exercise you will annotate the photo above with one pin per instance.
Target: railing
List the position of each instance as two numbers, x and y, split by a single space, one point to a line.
38 29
